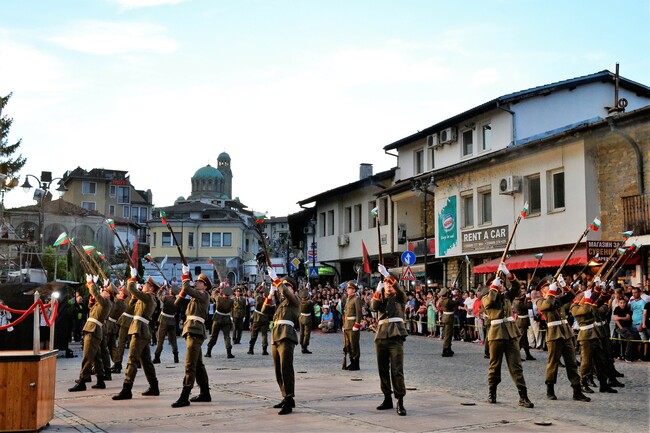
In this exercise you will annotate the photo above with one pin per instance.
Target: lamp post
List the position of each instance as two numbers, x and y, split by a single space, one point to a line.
44 184
424 185
312 224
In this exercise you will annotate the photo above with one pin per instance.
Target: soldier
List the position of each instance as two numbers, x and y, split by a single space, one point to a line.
167 324
503 337
260 321
140 338
284 337
92 331
108 334
306 307
238 314
352 317
124 322
119 306
221 320
388 301
449 305
559 337
196 312
523 306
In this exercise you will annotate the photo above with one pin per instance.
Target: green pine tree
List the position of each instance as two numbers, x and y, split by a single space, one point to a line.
8 165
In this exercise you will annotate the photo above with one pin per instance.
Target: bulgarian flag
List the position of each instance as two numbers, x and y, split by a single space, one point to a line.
111 224
375 212
524 211
163 217
89 249
627 234
633 248
595 225
147 257
101 255
621 251
62 239
467 260
260 218
538 256
210 260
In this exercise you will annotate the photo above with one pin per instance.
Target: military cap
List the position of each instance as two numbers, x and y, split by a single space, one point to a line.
204 278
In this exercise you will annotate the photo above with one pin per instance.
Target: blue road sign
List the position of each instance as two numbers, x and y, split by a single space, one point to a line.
313 273
408 258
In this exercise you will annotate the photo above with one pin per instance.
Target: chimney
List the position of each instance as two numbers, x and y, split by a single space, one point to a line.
365 170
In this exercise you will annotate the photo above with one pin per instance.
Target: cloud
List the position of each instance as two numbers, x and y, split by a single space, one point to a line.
136 4
107 38
485 76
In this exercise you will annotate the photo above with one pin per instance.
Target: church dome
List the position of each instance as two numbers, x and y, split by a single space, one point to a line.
223 156
207 172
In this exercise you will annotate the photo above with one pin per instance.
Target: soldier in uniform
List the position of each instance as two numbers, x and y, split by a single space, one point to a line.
449 305
503 337
196 312
140 338
389 301
167 324
306 308
221 320
124 322
92 331
260 321
522 306
284 337
238 314
352 316
108 333
119 306
559 337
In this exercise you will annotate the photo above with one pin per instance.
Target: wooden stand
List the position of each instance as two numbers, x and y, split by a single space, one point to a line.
27 384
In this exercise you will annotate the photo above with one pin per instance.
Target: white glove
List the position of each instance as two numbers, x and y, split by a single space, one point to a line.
272 291
560 279
380 287
185 269
121 283
502 268
107 283
134 272
89 278
597 280
496 282
355 327
553 287
383 271
95 278
272 273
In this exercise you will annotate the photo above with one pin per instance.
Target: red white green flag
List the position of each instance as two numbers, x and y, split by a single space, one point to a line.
210 260
539 255
89 249
627 234
375 212
524 211
163 217
621 251
260 218
595 225
633 248
62 239
111 224
101 255
147 257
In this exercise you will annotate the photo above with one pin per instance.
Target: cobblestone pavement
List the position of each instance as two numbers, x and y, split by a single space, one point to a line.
444 395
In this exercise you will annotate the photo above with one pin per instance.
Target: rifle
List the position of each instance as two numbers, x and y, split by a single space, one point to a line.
595 225
150 259
266 255
163 217
89 250
214 266
103 257
539 260
111 225
344 364
523 214
632 252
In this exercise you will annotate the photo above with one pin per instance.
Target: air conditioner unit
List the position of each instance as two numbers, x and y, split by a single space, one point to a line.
432 140
447 135
344 240
510 185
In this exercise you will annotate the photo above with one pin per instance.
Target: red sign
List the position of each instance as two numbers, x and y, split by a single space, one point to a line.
408 274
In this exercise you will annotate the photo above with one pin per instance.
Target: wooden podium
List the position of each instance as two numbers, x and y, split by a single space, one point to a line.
27 383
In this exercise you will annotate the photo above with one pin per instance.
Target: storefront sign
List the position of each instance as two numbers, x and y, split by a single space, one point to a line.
485 239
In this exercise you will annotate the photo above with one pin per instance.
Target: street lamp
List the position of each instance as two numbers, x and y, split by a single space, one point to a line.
44 184
312 224
424 185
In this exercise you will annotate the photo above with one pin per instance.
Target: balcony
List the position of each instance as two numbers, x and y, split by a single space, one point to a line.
636 214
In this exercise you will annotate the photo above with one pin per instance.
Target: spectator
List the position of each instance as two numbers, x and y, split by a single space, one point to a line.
471 318
636 304
327 320
624 330
431 315
644 329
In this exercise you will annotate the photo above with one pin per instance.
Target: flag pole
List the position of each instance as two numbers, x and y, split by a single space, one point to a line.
595 224
628 256
522 214
150 259
539 260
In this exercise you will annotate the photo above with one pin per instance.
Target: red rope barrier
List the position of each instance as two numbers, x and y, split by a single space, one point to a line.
49 321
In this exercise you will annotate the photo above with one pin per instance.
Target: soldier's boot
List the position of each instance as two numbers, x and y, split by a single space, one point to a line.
618 373
230 355
492 394
604 387
117 368
307 351
344 363
264 352
287 406
156 358
590 380
585 386
387 403
250 349
175 357
614 382
550 391
208 354
284 400
153 389
125 394
578 395
107 374
446 352
529 357
183 400
79 386
100 383
204 395
523 398
354 365
400 407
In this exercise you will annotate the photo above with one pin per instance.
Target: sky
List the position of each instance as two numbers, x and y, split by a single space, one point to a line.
298 93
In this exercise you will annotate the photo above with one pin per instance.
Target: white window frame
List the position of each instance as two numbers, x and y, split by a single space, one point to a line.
111 210
119 195
482 143
464 196
462 143
431 158
88 188
482 193
528 196
112 191
418 161
126 212
89 205
551 190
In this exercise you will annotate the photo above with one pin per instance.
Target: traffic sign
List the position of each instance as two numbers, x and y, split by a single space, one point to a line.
295 262
313 273
408 274
408 258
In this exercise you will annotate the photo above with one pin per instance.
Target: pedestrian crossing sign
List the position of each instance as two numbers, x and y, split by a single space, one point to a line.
313 273
408 274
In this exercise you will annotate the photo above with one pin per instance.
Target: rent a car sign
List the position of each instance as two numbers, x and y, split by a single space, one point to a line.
485 239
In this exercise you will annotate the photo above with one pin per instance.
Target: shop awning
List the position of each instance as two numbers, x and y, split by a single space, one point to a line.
326 271
528 261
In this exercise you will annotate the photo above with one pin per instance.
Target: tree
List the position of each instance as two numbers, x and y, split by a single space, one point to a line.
8 165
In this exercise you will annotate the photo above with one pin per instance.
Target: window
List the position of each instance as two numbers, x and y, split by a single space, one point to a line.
88 188
486 137
135 212
155 239
372 221
467 200
190 239
321 224
112 191
205 240
556 190
111 210
330 222
216 239
485 205
166 239
419 161
227 239
468 142
125 211
431 158
124 195
532 194
357 217
383 212
348 220
88 205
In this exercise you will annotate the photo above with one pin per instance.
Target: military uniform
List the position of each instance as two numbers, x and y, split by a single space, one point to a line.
238 314
124 323
167 327
261 323
221 321
523 306
306 308
352 316
503 338
119 306
104 348
448 307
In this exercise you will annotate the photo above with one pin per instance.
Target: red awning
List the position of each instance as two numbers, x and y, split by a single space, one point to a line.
528 261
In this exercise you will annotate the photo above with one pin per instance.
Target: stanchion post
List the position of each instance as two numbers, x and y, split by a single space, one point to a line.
53 302
37 326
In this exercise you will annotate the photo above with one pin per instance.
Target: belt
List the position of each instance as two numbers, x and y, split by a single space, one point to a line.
584 328
499 321
197 318
351 318
142 319
223 314
447 312
171 316
259 312
305 314
557 323
112 320
284 322
599 323
130 316
391 320
95 321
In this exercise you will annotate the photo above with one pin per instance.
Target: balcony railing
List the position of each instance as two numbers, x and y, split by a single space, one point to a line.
636 214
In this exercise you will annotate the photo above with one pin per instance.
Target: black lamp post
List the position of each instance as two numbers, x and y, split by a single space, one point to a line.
425 185
44 184
312 224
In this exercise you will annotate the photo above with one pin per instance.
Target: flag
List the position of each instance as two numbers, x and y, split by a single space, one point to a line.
633 248
467 260
621 251
539 255
164 261
134 253
375 212
595 225
62 239
210 260
163 217
524 211
366 259
259 218
627 234
89 249
101 255
148 257
111 224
